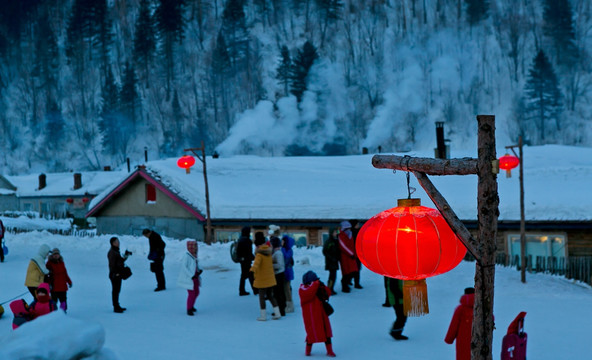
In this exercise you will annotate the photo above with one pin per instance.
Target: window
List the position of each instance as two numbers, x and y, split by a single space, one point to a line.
301 238
150 194
227 235
543 245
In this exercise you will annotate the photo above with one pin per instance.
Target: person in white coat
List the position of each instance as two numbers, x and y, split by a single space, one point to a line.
189 276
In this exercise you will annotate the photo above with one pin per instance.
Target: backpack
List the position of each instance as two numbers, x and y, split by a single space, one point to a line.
234 251
514 342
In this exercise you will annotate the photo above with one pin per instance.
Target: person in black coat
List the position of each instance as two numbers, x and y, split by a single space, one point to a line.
331 253
116 265
244 251
2 230
156 255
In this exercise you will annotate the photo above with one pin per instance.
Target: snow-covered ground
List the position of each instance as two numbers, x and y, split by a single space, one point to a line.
155 325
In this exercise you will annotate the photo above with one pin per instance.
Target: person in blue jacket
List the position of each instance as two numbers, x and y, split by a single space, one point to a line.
287 244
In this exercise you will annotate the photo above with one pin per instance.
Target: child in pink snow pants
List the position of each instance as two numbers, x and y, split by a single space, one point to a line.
189 276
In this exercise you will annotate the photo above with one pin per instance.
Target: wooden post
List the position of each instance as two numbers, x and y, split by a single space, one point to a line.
483 249
520 156
202 158
487 214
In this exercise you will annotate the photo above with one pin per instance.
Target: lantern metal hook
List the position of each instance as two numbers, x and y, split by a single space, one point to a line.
410 189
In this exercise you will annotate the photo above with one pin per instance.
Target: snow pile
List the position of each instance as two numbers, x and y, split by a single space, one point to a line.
56 336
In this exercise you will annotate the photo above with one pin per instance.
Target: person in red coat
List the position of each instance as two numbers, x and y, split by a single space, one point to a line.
461 325
316 321
42 304
347 255
60 279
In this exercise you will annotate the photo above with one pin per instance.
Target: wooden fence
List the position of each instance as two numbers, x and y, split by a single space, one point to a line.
65 232
574 267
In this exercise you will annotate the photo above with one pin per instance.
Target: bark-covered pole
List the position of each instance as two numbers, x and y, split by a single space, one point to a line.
487 214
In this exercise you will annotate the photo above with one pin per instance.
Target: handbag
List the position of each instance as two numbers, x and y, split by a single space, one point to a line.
156 266
126 273
328 308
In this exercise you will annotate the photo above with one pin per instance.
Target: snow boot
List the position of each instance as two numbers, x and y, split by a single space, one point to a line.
397 335
308 349
263 316
289 307
330 352
63 306
276 313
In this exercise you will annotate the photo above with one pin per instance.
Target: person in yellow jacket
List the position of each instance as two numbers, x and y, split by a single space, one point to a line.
37 270
264 276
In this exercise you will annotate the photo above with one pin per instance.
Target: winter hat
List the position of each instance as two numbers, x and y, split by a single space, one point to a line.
55 251
192 247
275 242
246 231
309 277
345 225
44 250
259 238
469 290
112 240
273 230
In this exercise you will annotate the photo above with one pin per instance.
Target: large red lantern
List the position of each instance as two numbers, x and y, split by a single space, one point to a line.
186 162
409 242
508 162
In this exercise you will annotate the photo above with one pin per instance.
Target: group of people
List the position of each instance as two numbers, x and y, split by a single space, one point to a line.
269 270
270 273
340 251
188 278
48 282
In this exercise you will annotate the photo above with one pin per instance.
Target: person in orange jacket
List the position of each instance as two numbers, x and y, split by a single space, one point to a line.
461 325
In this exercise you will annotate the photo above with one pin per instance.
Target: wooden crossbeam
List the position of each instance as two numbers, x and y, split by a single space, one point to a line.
464 166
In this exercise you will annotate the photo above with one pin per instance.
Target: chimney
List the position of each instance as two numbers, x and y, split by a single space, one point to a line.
440 144
42 182
77 181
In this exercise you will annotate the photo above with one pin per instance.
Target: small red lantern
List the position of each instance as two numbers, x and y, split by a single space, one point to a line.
508 162
70 200
409 242
186 162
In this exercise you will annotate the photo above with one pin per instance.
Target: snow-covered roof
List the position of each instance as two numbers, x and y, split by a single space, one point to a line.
62 184
345 187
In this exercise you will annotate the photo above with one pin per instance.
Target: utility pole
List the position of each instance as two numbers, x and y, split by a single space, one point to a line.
522 221
202 157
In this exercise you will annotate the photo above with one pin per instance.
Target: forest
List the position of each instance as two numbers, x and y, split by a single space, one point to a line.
86 84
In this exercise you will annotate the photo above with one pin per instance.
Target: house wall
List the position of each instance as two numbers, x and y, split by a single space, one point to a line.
579 242
54 207
8 202
132 201
133 225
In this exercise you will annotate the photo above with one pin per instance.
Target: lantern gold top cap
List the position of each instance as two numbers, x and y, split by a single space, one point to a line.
408 202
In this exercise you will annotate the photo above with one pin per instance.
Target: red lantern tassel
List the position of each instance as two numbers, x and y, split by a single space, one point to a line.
415 298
